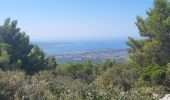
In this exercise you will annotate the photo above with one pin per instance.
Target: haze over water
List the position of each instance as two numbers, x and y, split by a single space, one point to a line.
79 46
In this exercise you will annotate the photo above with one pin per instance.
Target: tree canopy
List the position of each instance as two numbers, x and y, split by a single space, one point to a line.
16 52
154 47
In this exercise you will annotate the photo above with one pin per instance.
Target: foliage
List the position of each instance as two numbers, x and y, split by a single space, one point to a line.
154 74
82 70
11 84
168 72
146 72
154 47
15 85
4 56
17 53
86 71
117 76
51 63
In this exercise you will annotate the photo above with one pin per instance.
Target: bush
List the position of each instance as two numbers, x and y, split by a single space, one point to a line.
12 84
154 74
117 76
83 70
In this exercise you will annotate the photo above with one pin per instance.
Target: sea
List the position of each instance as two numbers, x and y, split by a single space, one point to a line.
85 50
81 46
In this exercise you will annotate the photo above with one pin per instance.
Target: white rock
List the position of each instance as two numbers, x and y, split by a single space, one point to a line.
166 97
155 96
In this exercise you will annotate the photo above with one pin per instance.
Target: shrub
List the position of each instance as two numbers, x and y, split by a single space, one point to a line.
12 84
83 70
154 74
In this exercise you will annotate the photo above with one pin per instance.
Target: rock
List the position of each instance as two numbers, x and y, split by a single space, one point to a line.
166 97
155 96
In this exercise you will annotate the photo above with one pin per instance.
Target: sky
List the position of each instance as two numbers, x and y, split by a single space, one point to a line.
69 20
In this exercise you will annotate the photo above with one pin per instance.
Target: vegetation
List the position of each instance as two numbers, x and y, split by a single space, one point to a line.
27 74
154 47
17 53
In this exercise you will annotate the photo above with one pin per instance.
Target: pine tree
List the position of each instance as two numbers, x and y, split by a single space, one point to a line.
154 47
16 52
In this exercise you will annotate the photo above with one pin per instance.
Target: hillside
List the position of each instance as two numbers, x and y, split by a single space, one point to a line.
140 73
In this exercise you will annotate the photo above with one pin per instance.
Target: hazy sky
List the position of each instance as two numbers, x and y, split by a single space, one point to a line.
64 20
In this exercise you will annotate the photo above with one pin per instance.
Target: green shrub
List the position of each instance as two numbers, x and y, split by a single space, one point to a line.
83 70
12 84
154 74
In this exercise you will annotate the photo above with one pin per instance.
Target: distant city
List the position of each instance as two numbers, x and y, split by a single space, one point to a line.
93 55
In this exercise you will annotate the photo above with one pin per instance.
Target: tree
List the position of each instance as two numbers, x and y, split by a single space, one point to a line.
4 56
35 60
17 41
154 47
16 52
51 63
